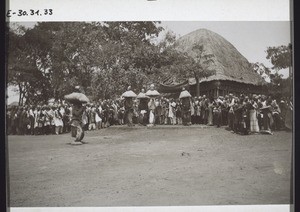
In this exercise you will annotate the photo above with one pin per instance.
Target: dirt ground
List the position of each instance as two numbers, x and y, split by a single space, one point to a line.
158 166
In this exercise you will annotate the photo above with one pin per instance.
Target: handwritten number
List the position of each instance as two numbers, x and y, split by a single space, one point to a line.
9 13
20 13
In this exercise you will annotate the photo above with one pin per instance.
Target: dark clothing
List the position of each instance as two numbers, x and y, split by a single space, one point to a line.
128 104
186 111
143 104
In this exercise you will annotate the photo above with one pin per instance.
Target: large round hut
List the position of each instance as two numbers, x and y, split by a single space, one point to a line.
231 72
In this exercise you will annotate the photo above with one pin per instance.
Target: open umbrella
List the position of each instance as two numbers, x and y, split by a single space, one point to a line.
184 94
152 93
128 94
142 96
76 97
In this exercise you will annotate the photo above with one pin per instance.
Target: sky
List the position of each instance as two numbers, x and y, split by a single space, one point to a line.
250 38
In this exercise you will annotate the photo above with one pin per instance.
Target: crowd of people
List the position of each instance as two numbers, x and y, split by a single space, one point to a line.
241 114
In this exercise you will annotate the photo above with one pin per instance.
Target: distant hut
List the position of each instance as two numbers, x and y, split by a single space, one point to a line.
231 71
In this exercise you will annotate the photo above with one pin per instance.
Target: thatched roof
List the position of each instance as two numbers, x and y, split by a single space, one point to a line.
229 63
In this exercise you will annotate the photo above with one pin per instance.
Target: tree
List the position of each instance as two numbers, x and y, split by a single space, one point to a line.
127 57
23 68
200 68
281 58
68 54
48 60
262 70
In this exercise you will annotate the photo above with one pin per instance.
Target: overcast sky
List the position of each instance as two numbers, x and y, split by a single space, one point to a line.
250 38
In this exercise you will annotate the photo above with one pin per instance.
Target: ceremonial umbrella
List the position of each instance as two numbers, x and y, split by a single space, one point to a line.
142 96
128 94
152 93
184 94
76 98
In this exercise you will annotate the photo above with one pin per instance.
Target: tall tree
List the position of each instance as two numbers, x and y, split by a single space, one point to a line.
200 68
281 58
24 70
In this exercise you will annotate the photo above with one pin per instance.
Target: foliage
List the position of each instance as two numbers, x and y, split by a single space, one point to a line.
48 60
24 70
280 56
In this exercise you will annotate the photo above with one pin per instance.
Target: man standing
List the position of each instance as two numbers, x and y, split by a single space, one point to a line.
186 107
143 108
128 104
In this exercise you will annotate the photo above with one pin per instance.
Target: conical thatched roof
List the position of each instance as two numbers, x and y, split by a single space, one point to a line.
228 64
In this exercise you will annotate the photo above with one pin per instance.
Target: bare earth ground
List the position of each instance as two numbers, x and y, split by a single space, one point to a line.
159 166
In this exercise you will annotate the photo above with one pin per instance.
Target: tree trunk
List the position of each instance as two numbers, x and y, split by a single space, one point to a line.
20 94
197 86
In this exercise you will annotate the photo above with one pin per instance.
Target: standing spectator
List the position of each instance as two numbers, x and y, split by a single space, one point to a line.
58 120
186 103
31 119
98 119
121 115
178 113
217 113
51 117
92 118
254 127
67 119
172 115
151 107
210 113
128 103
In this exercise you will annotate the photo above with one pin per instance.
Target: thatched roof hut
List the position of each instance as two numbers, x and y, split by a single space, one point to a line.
231 71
